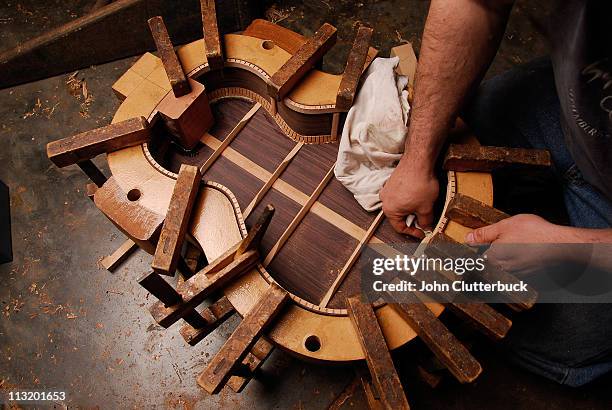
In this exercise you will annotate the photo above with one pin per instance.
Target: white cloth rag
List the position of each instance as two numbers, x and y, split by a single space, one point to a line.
374 133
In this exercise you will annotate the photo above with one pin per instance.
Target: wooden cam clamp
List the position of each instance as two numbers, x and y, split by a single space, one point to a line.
309 54
81 148
246 350
186 111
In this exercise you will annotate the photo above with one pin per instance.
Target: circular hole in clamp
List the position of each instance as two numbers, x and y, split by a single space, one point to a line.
312 343
267 45
133 194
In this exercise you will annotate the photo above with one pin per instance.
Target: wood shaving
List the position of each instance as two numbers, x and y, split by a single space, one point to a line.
276 14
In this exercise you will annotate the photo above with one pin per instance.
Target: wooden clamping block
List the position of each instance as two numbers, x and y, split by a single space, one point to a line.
302 61
480 315
472 213
162 290
215 315
187 117
492 273
354 67
447 348
175 225
251 363
230 357
238 260
81 148
212 40
378 358
469 157
172 65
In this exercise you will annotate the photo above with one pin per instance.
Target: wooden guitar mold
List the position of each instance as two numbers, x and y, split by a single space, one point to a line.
304 116
199 151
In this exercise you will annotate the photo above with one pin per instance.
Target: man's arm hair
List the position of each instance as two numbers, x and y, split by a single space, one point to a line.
460 40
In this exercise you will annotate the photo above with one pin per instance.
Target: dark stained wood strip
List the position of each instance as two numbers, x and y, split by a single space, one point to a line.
229 358
464 157
192 257
172 65
197 288
158 287
93 172
215 315
377 354
175 226
252 362
257 231
162 290
447 348
472 213
354 67
302 61
90 144
212 40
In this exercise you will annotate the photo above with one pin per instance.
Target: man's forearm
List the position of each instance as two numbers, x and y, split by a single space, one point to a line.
460 40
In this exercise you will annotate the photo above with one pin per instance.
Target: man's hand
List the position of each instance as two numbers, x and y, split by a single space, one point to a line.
532 244
523 228
409 190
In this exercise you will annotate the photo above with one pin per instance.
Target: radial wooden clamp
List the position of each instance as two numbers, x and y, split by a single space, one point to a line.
186 111
464 157
355 65
181 303
172 236
378 358
302 61
212 39
81 148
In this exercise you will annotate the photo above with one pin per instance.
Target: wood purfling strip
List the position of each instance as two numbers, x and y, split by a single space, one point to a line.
298 218
230 137
351 260
270 182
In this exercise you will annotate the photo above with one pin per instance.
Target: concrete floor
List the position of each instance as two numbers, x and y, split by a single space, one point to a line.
67 324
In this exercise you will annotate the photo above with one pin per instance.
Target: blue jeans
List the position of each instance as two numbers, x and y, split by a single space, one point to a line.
569 343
